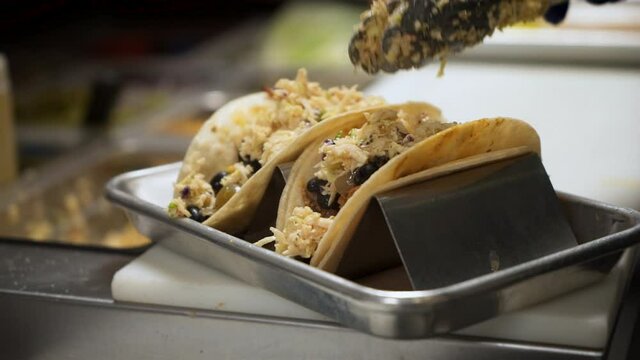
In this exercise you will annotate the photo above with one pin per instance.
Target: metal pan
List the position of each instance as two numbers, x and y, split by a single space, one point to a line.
603 232
62 202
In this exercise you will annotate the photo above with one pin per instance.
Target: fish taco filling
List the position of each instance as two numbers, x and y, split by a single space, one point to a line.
346 161
395 35
295 106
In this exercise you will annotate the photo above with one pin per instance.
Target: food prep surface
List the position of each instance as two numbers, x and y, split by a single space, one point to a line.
78 317
58 271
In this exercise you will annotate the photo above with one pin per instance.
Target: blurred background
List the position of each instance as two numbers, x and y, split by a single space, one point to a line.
96 88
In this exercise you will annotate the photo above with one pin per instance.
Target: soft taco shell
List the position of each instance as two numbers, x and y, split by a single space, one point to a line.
458 142
211 151
303 169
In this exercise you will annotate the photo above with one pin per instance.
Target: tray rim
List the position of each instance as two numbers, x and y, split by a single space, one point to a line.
400 301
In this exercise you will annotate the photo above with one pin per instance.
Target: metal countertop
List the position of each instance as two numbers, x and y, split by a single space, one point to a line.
57 303
58 271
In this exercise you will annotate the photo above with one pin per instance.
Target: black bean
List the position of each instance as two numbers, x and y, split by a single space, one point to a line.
355 178
255 164
216 182
367 170
315 185
335 205
196 214
323 201
379 161
361 174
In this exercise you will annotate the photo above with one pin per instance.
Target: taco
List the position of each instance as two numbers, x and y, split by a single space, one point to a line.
333 180
230 161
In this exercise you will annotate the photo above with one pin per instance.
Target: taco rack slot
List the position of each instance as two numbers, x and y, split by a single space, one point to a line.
267 210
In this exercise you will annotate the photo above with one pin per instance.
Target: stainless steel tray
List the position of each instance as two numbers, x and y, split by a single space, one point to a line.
603 231
61 202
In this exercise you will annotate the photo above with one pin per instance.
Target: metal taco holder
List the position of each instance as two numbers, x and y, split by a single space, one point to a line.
458 221
602 231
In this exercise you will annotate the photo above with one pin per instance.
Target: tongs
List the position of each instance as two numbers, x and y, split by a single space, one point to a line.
403 34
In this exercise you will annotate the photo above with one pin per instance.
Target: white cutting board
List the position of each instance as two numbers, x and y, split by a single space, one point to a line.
162 277
589 123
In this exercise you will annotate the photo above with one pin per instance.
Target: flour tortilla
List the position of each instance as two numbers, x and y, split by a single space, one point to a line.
458 142
212 151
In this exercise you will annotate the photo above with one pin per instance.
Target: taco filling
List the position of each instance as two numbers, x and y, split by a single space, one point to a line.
294 107
346 162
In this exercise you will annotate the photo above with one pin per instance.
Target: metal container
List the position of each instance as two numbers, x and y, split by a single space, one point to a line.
8 162
603 232
62 202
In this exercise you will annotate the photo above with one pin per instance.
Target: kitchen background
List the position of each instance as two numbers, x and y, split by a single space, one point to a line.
102 87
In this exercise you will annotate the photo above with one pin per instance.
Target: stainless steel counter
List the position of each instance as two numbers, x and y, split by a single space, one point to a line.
58 272
56 303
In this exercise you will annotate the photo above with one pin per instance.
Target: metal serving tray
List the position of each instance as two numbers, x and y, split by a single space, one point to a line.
603 232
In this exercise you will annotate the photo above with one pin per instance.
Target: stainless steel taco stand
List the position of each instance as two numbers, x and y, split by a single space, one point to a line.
492 213
602 233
